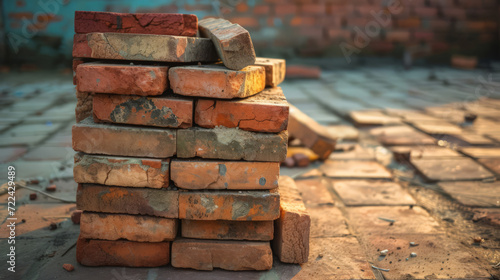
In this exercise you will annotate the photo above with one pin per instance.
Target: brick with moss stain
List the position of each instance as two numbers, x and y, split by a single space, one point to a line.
161 111
93 252
231 144
129 227
121 171
275 70
217 174
143 47
266 111
292 229
121 200
228 255
143 80
92 138
229 205
216 81
228 230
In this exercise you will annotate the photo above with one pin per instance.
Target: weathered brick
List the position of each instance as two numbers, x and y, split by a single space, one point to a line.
83 107
228 255
129 227
266 111
91 252
125 79
138 201
76 62
233 42
310 133
303 72
224 230
229 205
142 47
231 144
162 111
121 171
92 138
231 175
150 23
216 81
275 70
291 239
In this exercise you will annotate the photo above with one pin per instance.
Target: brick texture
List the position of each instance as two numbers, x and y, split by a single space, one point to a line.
266 111
83 107
275 70
231 175
228 230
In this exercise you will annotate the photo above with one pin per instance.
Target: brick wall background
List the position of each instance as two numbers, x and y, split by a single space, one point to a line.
42 30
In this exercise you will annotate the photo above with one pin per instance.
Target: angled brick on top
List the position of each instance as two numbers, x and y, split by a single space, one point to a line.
150 23
216 81
266 111
160 111
124 79
143 47
275 70
233 42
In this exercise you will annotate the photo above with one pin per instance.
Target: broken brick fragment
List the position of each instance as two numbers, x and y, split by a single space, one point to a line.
68 267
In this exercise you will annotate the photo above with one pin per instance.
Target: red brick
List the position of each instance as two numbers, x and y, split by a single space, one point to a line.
228 255
92 138
233 42
150 23
143 47
129 227
216 81
120 200
231 144
161 111
231 175
122 253
83 107
229 205
275 70
310 133
121 171
228 230
291 240
266 111
122 79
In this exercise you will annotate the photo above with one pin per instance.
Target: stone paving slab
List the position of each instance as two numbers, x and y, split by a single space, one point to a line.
474 194
401 135
418 152
437 127
327 221
355 169
407 219
371 192
455 169
481 152
49 153
492 164
314 192
10 154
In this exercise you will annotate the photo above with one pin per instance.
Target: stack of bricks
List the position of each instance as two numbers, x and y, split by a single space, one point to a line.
179 152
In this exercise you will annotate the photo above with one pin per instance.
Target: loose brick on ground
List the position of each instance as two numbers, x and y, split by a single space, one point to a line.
216 81
275 70
143 47
129 227
121 200
229 205
310 133
83 107
143 80
451 169
292 229
231 144
228 255
149 23
231 175
233 42
121 171
92 138
228 230
161 111
266 111
327 221
91 252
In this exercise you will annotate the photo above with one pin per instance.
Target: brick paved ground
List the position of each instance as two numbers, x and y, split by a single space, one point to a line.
440 194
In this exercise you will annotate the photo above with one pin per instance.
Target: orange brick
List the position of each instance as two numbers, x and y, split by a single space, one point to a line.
231 175
122 253
228 255
266 111
228 230
275 70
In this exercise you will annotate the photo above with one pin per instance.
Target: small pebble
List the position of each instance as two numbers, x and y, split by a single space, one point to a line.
53 226
68 267
33 196
478 239
413 244
413 255
384 252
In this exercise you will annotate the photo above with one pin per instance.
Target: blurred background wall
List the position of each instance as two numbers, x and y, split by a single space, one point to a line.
38 33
